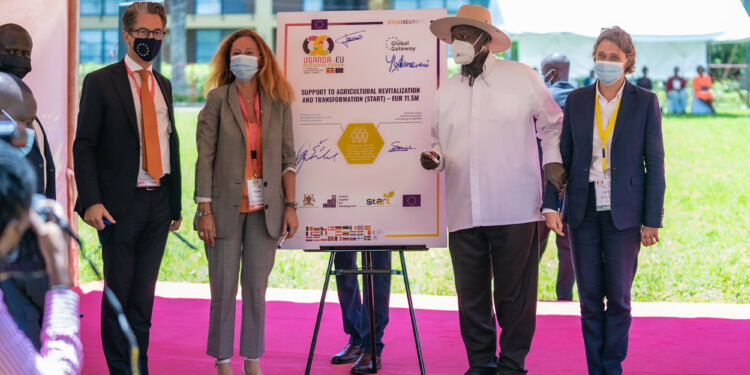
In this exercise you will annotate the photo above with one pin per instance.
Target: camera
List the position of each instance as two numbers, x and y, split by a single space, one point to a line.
25 260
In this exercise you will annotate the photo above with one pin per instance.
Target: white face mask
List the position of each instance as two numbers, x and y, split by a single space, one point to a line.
243 67
463 52
608 71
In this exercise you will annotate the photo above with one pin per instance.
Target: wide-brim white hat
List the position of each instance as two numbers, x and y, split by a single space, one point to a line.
476 16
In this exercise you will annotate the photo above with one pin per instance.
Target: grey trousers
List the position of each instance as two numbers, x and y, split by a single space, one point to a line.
255 249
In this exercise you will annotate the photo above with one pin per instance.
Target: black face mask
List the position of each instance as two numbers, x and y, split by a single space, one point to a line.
19 66
146 48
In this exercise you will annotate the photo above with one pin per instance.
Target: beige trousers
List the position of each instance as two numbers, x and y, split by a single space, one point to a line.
251 246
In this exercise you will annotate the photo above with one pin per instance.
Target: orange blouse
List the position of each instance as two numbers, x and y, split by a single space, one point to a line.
702 87
250 171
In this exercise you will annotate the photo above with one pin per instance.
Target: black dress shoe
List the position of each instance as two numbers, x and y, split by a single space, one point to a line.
364 363
481 371
348 355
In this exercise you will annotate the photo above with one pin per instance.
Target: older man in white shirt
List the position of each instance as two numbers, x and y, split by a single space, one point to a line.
484 137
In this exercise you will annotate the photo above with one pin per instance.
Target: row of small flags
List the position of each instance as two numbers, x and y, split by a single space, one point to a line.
339 233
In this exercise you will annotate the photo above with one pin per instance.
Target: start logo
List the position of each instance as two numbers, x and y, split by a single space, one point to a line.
318 45
385 201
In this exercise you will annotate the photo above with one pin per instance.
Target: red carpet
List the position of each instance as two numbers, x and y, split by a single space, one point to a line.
658 345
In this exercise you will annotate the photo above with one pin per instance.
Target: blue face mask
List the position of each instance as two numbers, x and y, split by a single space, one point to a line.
243 67
608 72
21 138
146 48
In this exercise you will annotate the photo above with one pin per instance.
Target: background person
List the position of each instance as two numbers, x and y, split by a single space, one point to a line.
590 79
356 316
614 203
61 345
484 137
127 169
244 187
703 98
25 297
676 92
644 81
555 70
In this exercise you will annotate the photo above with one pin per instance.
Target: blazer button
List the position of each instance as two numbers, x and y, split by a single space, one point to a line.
265 183
41 165
614 169
266 206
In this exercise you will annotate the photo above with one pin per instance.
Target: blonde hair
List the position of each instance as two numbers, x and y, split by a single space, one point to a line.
271 79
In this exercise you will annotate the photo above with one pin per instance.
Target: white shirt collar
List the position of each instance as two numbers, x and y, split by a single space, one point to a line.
489 63
134 67
617 97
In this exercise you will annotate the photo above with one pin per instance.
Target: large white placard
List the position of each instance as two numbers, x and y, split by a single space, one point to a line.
365 85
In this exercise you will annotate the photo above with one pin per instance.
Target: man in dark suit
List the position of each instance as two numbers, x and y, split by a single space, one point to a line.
25 297
127 170
555 70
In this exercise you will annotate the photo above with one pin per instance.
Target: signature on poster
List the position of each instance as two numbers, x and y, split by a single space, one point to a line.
319 151
396 146
351 37
396 64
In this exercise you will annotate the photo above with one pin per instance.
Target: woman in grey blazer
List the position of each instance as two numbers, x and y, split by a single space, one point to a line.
244 187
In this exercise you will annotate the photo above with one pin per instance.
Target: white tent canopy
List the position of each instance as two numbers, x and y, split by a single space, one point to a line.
667 33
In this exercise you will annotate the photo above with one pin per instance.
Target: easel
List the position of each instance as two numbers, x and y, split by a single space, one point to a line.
367 271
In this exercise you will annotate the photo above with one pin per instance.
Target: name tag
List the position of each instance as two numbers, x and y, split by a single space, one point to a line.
603 190
255 193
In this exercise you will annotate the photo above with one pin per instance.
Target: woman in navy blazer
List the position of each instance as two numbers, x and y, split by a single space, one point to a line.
606 230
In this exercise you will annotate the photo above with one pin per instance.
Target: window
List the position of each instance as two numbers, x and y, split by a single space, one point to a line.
91 8
98 46
207 6
345 5
206 44
111 7
100 7
214 7
451 5
235 6
290 5
312 5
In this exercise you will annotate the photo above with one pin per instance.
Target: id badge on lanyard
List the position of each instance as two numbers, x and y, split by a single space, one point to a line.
255 199
255 194
603 189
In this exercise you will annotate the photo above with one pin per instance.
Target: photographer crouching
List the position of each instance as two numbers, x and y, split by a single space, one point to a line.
61 351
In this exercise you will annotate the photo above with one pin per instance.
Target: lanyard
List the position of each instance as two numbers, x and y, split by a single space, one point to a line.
137 87
252 129
604 134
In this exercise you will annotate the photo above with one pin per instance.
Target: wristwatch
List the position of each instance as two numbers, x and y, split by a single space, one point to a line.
203 213
291 204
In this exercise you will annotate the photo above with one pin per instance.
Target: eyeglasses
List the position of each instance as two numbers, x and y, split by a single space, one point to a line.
144 33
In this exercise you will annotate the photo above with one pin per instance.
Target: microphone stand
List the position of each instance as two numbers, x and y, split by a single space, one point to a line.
109 295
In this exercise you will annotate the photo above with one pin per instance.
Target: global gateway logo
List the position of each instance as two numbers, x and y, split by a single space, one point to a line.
394 44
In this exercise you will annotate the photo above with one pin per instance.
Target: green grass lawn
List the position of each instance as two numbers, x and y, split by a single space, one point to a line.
704 254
